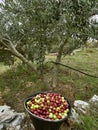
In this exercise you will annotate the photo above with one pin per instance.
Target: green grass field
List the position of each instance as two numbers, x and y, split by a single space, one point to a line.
86 61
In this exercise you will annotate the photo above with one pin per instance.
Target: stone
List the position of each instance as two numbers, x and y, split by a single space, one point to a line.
6 115
82 106
18 127
18 119
1 127
74 118
9 127
10 119
94 99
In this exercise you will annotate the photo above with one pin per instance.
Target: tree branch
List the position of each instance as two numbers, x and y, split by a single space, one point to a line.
13 50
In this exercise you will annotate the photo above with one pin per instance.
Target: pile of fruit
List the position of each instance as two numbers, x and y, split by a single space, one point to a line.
50 106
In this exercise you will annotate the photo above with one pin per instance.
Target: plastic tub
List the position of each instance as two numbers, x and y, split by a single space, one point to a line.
44 124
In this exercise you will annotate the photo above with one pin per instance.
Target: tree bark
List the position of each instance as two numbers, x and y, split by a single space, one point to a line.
55 68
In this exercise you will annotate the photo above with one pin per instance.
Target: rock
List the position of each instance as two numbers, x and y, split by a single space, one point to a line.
94 99
9 127
18 119
1 127
18 127
6 115
81 106
10 119
74 118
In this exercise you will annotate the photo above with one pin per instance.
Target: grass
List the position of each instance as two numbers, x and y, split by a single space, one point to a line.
90 121
86 61
3 68
19 82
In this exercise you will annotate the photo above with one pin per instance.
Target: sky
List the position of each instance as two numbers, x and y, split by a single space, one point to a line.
1 1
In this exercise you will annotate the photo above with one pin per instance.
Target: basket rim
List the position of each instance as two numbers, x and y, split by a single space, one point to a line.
43 119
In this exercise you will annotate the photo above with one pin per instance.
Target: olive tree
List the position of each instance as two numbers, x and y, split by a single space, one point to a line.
28 28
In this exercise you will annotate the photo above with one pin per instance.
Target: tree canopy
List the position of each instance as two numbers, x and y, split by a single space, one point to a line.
30 28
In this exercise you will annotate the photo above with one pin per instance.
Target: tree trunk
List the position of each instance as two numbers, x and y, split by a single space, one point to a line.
55 68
